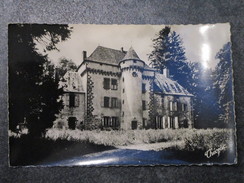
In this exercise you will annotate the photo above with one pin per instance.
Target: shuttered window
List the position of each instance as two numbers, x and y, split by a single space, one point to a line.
143 88
115 121
106 102
106 83
173 106
114 84
183 107
77 100
106 121
114 102
144 105
67 99
71 100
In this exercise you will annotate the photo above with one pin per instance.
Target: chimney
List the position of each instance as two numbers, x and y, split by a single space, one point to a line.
166 72
84 55
122 50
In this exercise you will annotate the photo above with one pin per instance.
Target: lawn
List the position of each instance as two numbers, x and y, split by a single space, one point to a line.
59 145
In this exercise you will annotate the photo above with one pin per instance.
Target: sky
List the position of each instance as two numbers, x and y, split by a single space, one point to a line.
201 42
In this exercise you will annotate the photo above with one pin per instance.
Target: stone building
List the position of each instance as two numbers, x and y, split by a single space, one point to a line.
116 89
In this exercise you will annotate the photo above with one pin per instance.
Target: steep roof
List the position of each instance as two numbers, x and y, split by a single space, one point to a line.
131 55
71 82
107 55
168 86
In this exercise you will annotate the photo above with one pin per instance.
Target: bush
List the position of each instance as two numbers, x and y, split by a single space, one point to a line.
193 139
209 139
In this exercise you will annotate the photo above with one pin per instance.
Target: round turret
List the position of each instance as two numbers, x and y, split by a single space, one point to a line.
131 81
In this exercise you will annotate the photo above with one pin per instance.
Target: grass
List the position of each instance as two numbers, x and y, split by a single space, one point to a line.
58 145
194 139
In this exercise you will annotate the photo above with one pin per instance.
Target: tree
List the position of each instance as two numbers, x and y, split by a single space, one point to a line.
160 44
169 53
205 108
223 84
65 65
33 91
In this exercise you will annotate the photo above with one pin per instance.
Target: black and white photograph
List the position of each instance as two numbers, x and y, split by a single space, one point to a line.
100 95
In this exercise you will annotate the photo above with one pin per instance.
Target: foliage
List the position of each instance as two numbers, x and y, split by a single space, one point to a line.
168 49
205 85
169 53
65 65
223 84
33 91
209 139
205 99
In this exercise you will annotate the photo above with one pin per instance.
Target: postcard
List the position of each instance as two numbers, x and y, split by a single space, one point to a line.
105 95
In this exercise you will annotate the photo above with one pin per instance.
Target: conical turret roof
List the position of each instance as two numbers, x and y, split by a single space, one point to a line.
131 55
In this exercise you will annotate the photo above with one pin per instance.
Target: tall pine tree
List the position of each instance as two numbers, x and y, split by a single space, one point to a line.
169 53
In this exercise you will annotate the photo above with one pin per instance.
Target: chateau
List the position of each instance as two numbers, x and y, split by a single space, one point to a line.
116 89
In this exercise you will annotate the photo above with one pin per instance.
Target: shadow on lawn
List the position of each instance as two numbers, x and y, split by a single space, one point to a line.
26 150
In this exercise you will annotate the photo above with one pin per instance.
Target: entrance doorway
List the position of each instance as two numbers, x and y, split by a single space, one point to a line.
133 125
72 122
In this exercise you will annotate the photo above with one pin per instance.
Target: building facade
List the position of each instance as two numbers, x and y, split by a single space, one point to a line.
116 89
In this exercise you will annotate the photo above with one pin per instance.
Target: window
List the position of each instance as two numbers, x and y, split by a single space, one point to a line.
114 102
143 88
162 102
106 83
123 79
173 106
158 122
72 122
123 90
106 102
134 74
114 84
106 121
71 100
110 121
183 107
115 121
143 105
